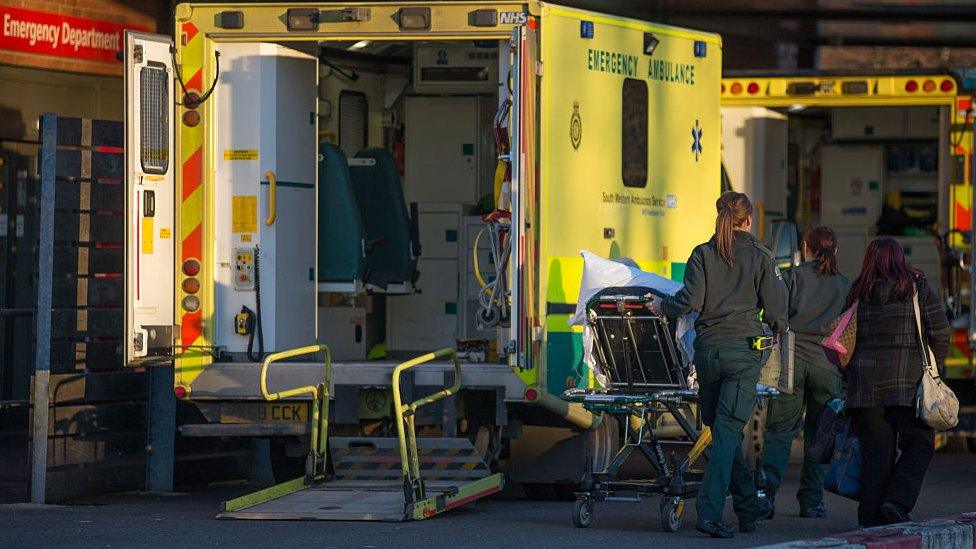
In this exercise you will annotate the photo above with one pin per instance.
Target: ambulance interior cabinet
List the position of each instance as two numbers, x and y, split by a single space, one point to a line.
851 186
754 149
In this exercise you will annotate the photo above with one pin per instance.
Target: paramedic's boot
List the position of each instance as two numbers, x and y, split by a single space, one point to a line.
894 513
715 529
765 510
820 511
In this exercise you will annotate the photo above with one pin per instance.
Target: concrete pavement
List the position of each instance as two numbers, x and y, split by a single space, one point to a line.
186 520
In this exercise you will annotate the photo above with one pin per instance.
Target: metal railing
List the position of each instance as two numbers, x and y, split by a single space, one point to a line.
319 412
413 484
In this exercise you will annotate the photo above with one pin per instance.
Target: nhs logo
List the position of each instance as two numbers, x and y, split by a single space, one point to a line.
512 18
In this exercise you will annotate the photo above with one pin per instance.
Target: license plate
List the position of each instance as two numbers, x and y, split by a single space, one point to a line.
263 412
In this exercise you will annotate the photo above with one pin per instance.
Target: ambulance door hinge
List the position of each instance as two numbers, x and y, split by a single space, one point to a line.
538 68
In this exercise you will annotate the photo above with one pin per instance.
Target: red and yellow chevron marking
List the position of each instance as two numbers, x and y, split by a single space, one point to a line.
193 337
961 140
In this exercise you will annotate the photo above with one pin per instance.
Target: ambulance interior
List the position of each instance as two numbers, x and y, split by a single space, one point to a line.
864 171
407 128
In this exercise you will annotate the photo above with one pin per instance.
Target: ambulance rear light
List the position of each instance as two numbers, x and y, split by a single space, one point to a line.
856 87
723 87
801 88
191 267
736 88
752 88
947 85
928 86
230 20
483 18
191 303
911 86
302 19
191 285
180 391
413 18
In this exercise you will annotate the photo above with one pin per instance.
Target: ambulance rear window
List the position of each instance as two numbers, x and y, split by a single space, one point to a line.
154 119
634 137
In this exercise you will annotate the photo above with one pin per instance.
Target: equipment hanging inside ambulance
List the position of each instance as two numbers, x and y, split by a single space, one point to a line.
391 178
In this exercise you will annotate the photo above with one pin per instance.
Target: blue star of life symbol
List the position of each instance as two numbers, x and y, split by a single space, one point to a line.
696 135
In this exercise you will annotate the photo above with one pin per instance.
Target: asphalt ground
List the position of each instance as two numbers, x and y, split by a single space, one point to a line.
508 520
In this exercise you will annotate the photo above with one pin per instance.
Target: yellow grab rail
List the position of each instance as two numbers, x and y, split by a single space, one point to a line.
407 436
272 198
320 401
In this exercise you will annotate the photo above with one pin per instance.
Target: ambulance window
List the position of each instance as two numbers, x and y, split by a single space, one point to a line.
154 119
634 138
353 121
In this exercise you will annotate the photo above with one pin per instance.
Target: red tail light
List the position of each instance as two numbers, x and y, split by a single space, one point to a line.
753 88
947 85
911 86
531 395
180 392
723 87
191 267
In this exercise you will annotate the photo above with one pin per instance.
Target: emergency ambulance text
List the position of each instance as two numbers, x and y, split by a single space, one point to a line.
612 62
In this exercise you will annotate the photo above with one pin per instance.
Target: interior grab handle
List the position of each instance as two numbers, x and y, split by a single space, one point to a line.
272 198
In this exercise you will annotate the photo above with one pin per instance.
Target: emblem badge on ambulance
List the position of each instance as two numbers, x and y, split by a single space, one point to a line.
575 127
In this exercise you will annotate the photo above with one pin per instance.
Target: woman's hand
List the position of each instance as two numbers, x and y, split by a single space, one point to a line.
654 305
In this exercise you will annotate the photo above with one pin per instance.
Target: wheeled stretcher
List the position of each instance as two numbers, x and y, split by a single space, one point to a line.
645 381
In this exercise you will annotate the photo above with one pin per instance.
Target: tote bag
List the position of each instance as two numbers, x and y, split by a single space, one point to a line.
935 402
839 345
844 472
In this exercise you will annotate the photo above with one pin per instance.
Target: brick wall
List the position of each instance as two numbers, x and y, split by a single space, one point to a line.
893 58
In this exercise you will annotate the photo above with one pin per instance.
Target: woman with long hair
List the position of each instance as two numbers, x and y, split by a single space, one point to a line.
882 378
732 282
817 293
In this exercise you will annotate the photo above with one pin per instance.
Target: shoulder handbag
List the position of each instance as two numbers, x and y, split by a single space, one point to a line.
839 345
935 402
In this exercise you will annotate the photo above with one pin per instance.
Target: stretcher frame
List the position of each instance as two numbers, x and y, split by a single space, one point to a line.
637 393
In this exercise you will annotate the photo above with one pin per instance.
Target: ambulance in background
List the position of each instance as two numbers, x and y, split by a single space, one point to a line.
866 154
320 173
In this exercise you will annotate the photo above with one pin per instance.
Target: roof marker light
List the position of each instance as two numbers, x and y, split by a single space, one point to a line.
928 86
736 88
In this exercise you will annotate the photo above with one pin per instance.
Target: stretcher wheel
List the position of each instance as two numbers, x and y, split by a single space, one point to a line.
582 513
671 510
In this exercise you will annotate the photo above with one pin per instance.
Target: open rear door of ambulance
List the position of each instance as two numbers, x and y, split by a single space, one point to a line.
149 197
525 322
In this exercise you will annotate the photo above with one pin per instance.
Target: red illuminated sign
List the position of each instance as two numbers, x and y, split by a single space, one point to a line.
60 35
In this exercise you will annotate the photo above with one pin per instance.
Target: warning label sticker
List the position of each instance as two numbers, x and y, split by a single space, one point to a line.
240 154
165 233
244 214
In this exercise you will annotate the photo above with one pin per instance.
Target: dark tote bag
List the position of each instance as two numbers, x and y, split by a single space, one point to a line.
844 471
830 422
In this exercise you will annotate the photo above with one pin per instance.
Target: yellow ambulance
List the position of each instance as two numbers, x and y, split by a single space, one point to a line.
319 173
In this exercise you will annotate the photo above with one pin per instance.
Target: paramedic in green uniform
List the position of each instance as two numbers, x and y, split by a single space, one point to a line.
730 280
817 292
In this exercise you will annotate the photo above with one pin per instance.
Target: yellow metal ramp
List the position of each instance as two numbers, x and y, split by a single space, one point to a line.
380 479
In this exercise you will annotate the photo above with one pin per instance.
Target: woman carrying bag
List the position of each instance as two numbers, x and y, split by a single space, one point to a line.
817 292
883 378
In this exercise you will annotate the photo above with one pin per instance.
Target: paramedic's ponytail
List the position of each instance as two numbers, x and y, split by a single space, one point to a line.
822 244
734 210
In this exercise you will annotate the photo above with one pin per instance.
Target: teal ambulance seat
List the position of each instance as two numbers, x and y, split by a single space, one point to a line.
390 263
342 238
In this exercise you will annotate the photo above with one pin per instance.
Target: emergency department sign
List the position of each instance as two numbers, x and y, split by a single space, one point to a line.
61 36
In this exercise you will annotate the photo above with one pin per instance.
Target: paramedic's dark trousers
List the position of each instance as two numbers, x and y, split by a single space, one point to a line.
813 387
884 430
727 377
